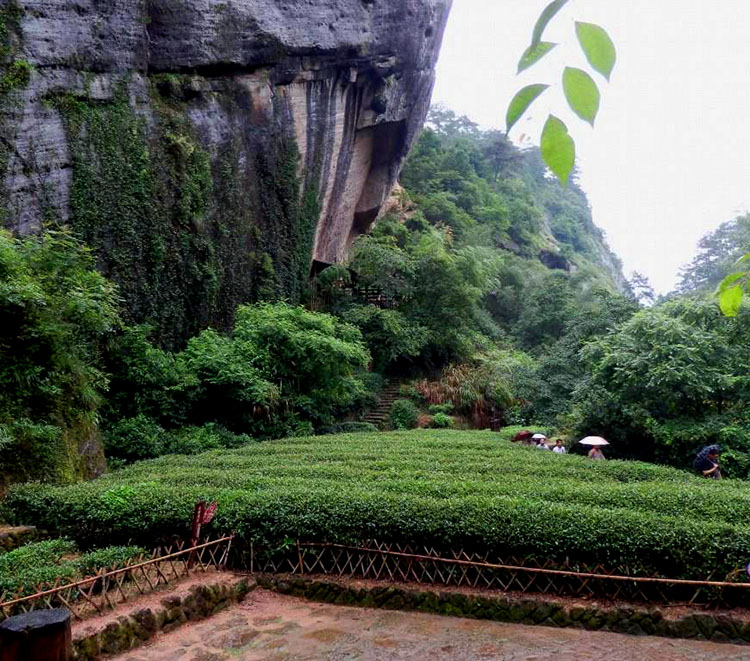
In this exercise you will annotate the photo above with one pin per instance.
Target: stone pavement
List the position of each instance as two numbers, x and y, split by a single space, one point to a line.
276 627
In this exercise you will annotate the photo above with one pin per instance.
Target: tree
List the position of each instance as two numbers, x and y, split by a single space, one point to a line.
445 122
663 382
718 252
56 314
642 290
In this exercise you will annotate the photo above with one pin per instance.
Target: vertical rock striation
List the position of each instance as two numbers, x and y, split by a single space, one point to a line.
210 150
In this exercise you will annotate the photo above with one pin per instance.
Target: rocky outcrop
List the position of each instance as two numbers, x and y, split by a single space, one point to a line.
209 150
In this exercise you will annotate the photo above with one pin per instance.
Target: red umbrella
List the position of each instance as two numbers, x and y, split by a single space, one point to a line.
523 435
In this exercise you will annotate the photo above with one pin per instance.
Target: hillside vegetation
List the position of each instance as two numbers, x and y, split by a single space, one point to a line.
485 287
445 489
479 266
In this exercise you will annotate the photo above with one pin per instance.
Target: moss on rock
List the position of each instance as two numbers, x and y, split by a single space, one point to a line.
187 231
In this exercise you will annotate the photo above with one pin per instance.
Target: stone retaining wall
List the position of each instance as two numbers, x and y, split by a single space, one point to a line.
713 626
13 537
128 631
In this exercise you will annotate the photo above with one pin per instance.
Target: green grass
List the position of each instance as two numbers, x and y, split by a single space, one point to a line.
449 489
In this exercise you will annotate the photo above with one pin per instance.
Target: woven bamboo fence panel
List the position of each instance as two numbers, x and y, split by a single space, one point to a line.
104 591
427 566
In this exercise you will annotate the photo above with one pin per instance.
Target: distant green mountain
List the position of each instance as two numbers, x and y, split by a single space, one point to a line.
716 257
491 193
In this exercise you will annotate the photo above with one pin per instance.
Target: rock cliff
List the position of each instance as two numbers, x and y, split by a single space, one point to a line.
210 150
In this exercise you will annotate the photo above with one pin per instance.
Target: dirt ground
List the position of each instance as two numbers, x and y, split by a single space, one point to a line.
270 626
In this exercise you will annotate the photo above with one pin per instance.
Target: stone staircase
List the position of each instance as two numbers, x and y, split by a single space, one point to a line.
378 416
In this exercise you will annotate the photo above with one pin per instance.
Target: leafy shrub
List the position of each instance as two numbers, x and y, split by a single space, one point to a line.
192 440
390 336
145 379
348 428
281 372
135 438
481 389
404 414
282 367
434 409
410 391
368 396
444 488
30 450
56 312
442 421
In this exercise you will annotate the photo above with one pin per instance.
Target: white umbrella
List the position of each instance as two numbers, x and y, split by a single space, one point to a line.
538 437
593 440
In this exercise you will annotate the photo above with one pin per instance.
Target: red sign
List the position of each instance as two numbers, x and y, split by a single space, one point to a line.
210 512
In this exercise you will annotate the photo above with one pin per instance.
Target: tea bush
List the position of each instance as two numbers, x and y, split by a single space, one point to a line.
443 488
404 414
40 564
442 420
348 428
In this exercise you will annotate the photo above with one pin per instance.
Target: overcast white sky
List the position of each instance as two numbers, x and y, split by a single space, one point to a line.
669 158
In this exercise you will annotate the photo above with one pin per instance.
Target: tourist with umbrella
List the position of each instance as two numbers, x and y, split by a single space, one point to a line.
523 435
707 462
596 443
541 442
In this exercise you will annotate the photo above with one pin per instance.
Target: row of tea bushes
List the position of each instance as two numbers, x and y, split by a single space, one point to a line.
444 489
38 565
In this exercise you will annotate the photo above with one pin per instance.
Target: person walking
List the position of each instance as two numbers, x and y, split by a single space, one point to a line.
559 447
596 453
543 445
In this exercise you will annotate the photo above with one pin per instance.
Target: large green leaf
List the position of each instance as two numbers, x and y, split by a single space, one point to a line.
598 47
533 54
582 93
730 300
521 102
558 148
731 280
544 18
731 292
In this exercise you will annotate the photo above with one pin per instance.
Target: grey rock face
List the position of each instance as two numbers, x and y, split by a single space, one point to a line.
349 80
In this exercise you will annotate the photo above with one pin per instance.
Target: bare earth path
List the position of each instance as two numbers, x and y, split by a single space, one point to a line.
276 627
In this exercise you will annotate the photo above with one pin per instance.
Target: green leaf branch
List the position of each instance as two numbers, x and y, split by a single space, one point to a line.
581 91
732 289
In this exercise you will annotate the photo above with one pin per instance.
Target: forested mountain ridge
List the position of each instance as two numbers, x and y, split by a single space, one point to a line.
459 170
716 257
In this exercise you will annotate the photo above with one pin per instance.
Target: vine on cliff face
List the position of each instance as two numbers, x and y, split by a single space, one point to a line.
289 219
186 238
139 204
15 75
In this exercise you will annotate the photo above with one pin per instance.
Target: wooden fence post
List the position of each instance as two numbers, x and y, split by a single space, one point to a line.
42 635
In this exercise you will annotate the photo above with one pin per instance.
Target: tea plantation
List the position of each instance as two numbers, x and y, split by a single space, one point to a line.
447 489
